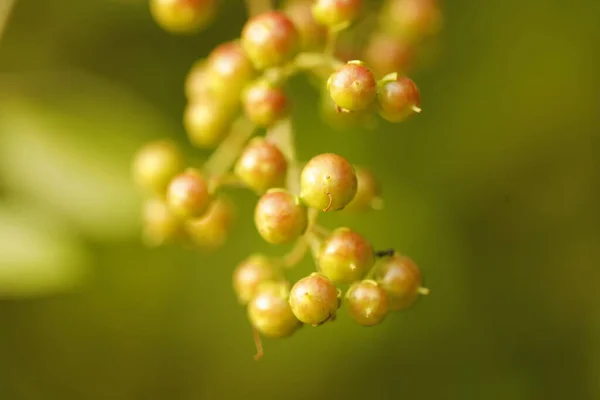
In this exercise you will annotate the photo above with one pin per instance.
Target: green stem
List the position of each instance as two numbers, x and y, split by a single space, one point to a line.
282 135
224 156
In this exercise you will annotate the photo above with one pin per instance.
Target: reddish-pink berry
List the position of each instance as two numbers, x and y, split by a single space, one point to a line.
188 195
334 13
280 217
367 303
229 69
385 54
314 299
312 34
270 39
412 19
400 277
265 103
353 87
398 99
261 166
345 256
328 182
269 311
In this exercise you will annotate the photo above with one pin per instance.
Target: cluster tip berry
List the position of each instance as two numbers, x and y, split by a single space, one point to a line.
240 106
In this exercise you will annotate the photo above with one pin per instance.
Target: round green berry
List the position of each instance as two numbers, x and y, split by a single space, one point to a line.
197 84
339 118
345 256
367 303
314 299
400 277
270 39
335 13
159 224
188 195
269 311
250 273
211 230
328 182
353 87
183 16
207 121
155 164
398 99
261 166
280 217
229 69
265 103
313 35
367 193
386 54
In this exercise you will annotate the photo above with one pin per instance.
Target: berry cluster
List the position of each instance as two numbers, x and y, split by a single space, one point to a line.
237 93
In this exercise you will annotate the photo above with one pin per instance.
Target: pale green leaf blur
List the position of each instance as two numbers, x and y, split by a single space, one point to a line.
493 190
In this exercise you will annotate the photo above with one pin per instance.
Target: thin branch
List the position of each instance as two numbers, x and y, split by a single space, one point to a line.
225 155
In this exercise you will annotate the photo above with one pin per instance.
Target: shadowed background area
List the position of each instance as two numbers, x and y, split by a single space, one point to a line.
493 190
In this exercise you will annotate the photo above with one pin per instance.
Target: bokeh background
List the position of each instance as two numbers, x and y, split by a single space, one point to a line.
493 190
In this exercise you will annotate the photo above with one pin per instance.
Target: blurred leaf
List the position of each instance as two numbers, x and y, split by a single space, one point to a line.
69 141
38 254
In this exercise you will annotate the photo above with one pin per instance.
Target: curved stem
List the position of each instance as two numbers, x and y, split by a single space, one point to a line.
258 343
225 155
320 231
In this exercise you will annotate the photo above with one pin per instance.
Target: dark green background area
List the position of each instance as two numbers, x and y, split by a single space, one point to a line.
493 190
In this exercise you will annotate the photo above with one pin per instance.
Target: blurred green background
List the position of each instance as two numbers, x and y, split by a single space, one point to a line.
493 190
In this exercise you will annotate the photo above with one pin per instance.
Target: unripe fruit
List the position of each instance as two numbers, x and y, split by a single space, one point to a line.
261 166
159 224
265 103
398 99
345 256
207 121
314 299
367 193
188 195
155 164
386 54
197 83
211 230
343 119
328 182
353 87
280 217
335 13
400 277
270 39
249 274
312 34
183 16
269 311
229 69
367 303
412 19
